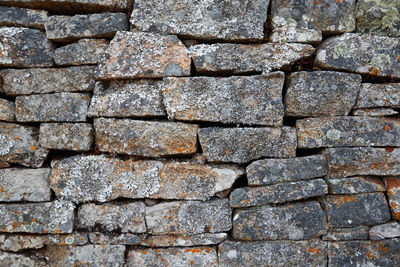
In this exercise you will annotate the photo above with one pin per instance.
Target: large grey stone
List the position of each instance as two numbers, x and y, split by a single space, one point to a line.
374 112
385 231
115 239
354 233
21 17
183 240
11 259
7 110
379 95
393 193
354 185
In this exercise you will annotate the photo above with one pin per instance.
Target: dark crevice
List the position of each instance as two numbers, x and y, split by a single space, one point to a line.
268 24
290 121
226 73
302 152
59 155
240 182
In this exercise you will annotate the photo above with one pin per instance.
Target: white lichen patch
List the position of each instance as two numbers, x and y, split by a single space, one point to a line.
6 144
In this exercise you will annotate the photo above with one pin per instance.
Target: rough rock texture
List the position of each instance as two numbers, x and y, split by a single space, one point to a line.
239 58
321 93
354 185
21 17
48 80
272 171
385 231
361 53
7 110
374 112
24 185
84 51
115 239
294 222
23 47
355 233
138 98
67 28
393 192
379 95
215 19
241 145
10 259
232 100
183 240
143 55
68 107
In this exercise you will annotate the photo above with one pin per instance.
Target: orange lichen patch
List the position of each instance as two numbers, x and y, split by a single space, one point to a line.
387 127
182 79
315 251
85 97
17 138
1 189
57 231
339 1
374 166
341 200
398 57
33 220
389 149
373 71
392 184
382 247
191 262
33 148
165 90
369 255
14 225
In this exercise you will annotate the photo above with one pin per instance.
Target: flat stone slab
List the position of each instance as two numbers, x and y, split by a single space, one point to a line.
20 144
195 256
378 56
23 47
183 240
145 138
393 193
241 145
48 217
202 20
7 110
24 185
288 33
240 58
379 95
355 185
232 100
69 28
57 107
278 193
136 98
374 112
67 136
321 93
11 259
385 231
82 52
48 80
289 222
341 234
189 217
273 253
143 55
356 210
21 17
339 132
115 239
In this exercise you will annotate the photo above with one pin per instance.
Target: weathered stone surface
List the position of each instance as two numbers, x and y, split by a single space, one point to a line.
273 253
379 95
143 55
279 193
4 164
7 110
365 253
116 239
20 144
12 16
288 33
239 58
24 185
378 17
375 112
183 240
85 51
340 131
355 210
102 25
354 185
195 256
355 233
385 231
232 100
202 20
10 259
23 47
294 222
68 107
75 239
272 171
361 53
321 93
393 192
139 98
145 138
49 217
48 80
241 145
189 217
127 218
66 136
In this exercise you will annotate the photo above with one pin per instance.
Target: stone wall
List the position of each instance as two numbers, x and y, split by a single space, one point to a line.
199 133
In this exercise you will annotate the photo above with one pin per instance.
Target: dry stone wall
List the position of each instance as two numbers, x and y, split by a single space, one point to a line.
199 133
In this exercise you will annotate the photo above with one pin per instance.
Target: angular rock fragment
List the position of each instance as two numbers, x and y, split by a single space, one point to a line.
24 185
379 95
241 145
20 144
272 171
189 217
143 55
288 33
239 58
69 28
183 240
21 17
278 193
393 192
67 136
355 233
145 138
294 222
7 110
74 239
378 56
4 164
138 98
355 185
232 100
375 112
385 231
273 253
11 259
48 80
62 107
340 132
321 93
23 47
356 210
49 217
115 239
195 256
202 19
